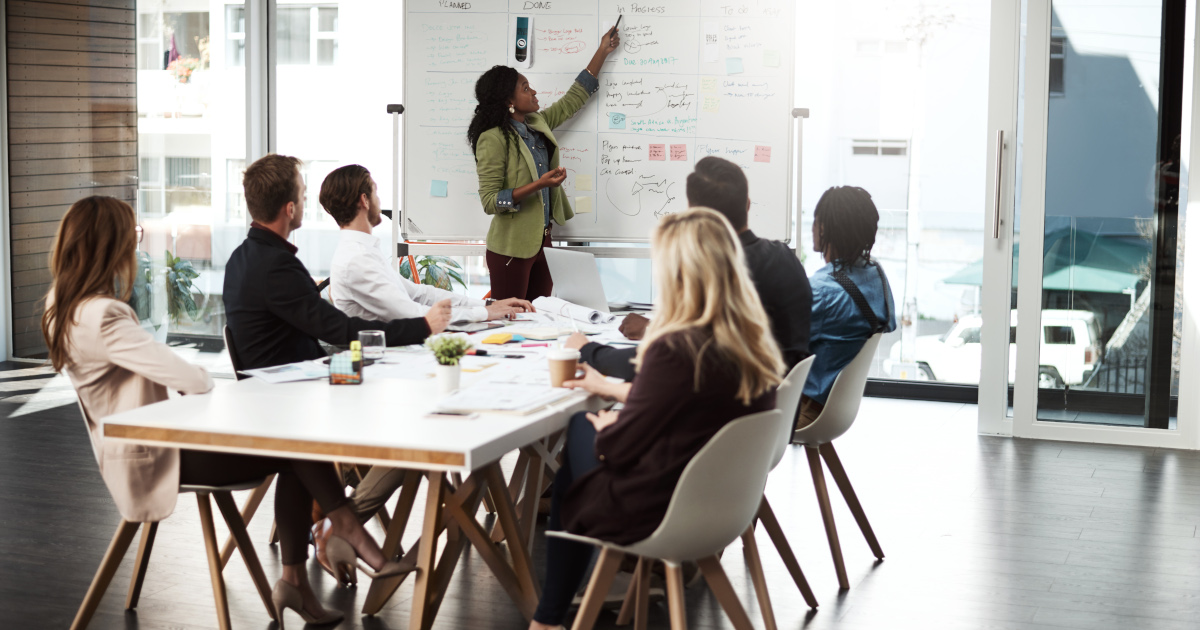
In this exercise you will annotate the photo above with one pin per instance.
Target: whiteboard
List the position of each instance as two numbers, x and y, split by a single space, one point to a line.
692 78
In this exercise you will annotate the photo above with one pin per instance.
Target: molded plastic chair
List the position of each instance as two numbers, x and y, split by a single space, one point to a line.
730 471
836 418
127 529
787 401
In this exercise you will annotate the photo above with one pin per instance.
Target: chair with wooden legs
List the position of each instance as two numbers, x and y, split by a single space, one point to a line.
730 471
841 408
787 401
127 529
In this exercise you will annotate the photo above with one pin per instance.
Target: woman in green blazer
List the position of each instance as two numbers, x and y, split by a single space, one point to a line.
516 157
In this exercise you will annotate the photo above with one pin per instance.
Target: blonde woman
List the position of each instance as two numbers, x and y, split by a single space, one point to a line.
708 358
95 339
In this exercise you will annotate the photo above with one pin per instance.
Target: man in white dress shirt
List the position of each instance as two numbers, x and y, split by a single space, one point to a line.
363 283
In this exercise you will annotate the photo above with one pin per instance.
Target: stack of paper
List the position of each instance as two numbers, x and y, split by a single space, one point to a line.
508 398
573 311
302 371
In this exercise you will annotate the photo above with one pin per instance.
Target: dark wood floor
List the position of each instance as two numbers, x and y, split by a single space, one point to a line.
980 532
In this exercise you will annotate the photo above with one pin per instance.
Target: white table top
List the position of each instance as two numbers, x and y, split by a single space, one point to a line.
382 421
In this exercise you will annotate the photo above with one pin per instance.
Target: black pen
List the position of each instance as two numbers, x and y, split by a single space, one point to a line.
613 30
485 353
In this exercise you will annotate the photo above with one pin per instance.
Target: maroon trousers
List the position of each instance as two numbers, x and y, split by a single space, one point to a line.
524 278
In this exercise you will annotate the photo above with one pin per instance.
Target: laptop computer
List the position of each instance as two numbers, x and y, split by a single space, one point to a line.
576 278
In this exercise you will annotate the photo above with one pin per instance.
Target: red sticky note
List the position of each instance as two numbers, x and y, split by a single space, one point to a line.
678 152
762 153
658 152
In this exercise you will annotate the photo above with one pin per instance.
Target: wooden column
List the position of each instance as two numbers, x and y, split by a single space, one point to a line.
72 103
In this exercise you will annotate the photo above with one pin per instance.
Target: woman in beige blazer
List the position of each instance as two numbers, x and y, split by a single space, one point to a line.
116 366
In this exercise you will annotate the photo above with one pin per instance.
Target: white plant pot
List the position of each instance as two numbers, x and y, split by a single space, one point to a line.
448 376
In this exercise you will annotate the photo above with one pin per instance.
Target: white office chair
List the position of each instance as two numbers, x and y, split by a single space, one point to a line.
836 418
787 401
124 536
730 471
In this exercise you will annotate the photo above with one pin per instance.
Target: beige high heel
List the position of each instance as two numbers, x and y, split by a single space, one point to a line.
340 554
285 596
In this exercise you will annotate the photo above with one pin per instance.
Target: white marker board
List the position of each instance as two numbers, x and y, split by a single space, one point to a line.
692 78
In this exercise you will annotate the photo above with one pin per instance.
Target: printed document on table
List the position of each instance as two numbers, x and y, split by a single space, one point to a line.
302 371
502 397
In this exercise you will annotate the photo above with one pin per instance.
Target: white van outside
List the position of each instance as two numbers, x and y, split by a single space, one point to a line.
1070 350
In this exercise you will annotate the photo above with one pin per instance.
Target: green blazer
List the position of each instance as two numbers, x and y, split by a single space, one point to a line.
507 163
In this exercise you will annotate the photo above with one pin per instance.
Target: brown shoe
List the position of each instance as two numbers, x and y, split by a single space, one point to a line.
321 532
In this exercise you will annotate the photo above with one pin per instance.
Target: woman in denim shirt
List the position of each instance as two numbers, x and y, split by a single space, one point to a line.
844 225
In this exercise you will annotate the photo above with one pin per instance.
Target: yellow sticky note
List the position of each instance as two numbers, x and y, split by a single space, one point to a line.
712 104
498 338
583 205
708 85
583 182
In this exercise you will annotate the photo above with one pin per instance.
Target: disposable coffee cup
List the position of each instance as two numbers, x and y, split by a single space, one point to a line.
563 365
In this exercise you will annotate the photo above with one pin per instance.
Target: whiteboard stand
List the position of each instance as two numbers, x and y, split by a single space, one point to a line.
397 214
799 113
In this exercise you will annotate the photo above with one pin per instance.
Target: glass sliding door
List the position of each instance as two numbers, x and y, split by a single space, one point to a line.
1096 254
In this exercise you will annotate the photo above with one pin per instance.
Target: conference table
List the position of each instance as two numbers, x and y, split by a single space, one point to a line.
389 420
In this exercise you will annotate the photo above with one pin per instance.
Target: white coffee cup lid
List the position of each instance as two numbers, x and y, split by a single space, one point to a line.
563 354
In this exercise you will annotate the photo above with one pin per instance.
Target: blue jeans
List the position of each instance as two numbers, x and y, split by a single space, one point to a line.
566 560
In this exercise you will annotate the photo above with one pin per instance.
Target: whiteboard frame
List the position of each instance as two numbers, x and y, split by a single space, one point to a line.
448 244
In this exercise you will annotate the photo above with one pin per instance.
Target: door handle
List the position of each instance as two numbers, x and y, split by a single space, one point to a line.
999 181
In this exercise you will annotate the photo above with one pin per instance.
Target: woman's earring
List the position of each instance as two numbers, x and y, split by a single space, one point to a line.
511 109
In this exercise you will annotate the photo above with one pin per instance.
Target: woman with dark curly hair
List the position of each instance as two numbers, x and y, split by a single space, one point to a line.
516 156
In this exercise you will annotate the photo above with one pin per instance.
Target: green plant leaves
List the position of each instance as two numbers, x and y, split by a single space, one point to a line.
179 276
437 271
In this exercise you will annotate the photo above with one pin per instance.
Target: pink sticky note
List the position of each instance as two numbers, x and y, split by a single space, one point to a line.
658 152
762 153
678 152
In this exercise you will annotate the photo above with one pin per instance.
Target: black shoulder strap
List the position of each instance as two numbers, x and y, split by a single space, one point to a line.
839 275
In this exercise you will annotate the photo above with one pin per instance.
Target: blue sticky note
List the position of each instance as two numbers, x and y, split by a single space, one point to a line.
733 65
439 188
616 121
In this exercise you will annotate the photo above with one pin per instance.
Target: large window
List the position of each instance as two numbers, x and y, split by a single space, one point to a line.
191 128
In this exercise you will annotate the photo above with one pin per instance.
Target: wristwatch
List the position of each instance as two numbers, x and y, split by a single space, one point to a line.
488 301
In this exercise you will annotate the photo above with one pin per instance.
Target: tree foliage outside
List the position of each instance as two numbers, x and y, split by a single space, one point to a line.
179 275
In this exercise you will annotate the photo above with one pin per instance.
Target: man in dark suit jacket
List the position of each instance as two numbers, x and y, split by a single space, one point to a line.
275 313
777 273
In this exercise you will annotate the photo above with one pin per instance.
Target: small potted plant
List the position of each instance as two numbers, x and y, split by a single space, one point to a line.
447 350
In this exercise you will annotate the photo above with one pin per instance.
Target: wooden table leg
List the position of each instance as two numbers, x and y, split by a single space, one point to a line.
427 552
532 497
515 484
516 546
104 574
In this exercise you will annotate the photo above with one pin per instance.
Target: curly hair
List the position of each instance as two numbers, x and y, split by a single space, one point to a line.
493 90
847 220
342 190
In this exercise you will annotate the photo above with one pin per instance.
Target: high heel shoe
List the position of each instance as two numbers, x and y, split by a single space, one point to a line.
340 554
285 596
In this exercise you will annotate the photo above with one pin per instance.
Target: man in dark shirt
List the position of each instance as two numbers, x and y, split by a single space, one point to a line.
777 273
274 311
